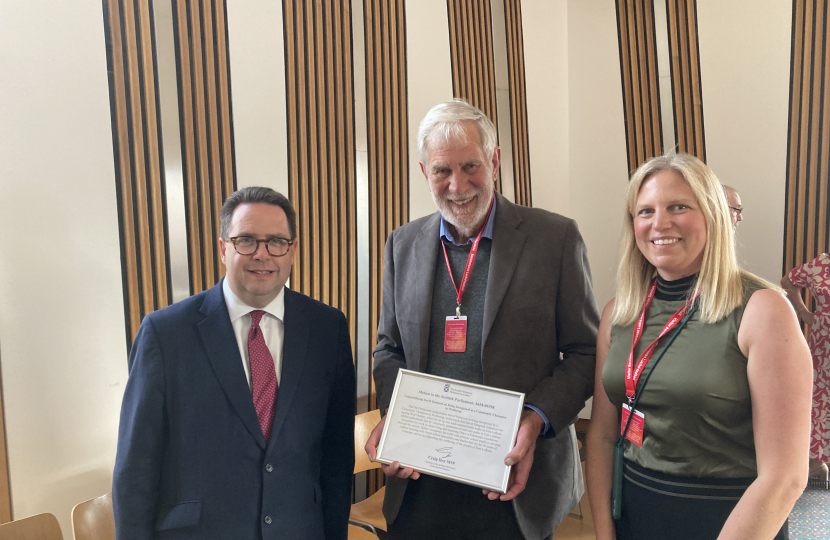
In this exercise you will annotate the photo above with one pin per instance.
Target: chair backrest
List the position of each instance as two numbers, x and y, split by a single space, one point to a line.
92 520
39 527
363 426
356 533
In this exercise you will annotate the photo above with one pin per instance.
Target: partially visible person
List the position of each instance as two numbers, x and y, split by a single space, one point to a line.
727 408
736 208
815 275
531 327
238 415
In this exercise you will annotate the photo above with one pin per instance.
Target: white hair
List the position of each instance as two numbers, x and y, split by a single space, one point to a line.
444 123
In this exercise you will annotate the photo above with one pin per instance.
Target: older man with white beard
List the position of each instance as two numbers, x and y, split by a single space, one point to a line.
531 324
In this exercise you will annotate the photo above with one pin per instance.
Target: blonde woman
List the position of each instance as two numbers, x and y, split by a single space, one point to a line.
717 443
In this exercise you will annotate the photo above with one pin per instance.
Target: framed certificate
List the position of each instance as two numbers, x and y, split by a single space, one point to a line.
452 429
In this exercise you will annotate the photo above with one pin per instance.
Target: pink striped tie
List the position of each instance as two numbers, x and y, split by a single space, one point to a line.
263 375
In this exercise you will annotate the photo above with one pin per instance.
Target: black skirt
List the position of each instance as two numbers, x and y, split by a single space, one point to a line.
658 506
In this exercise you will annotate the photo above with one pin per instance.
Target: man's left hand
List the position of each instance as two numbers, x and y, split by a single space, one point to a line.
521 457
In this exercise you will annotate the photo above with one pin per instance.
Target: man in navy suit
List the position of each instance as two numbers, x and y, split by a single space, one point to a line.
238 415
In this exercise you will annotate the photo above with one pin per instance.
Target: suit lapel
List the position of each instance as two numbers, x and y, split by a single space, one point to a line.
295 343
508 243
423 259
223 352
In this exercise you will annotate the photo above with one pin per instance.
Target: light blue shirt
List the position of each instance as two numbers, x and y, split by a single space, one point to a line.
445 234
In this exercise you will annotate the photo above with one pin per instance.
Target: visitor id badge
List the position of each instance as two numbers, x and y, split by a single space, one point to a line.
635 430
455 334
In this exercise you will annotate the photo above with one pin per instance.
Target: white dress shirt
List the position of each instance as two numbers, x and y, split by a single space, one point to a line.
272 326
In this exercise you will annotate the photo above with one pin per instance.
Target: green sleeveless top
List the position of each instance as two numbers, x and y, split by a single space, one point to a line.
697 407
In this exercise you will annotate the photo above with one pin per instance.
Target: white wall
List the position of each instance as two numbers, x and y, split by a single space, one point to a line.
598 165
429 82
545 32
575 120
257 65
746 109
62 334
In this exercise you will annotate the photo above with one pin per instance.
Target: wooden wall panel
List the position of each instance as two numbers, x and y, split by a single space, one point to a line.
5 486
806 221
321 151
387 139
388 144
138 159
640 81
471 52
518 101
205 117
685 75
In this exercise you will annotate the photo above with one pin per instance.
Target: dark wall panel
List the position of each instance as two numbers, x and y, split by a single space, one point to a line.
518 101
387 138
138 159
685 76
388 144
321 151
808 150
640 82
471 52
205 118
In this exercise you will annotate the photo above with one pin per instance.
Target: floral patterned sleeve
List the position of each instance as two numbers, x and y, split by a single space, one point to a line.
801 276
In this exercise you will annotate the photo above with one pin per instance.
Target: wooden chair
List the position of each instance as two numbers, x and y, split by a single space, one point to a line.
368 512
356 533
93 520
39 527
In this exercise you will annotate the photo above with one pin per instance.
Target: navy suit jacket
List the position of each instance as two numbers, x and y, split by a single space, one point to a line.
192 461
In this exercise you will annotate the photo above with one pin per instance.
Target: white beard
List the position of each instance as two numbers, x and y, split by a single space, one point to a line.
469 220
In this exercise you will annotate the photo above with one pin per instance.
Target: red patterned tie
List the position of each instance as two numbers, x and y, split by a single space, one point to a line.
263 375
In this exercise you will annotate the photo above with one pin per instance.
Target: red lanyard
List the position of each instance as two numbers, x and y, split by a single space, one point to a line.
632 374
471 259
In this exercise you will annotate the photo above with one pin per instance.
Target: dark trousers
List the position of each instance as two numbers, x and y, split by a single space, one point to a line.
683 509
437 509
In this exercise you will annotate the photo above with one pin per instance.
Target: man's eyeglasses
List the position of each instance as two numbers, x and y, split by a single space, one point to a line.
248 245
737 211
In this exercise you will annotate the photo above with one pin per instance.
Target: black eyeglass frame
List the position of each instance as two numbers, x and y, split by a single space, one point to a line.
738 211
288 242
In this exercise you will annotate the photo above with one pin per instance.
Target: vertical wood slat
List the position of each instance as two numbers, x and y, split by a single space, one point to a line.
386 134
224 91
387 145
5 486
321 163
808 149
518 101
217 195
815 124
637 90
136 135
205 123
640 82
200 127
138 159
656 123
471 53
687 95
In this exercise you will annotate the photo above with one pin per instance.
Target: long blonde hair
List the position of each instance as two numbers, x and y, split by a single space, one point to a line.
720 281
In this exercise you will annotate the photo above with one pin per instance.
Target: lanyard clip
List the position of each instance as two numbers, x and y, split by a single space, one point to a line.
630 401
458 311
